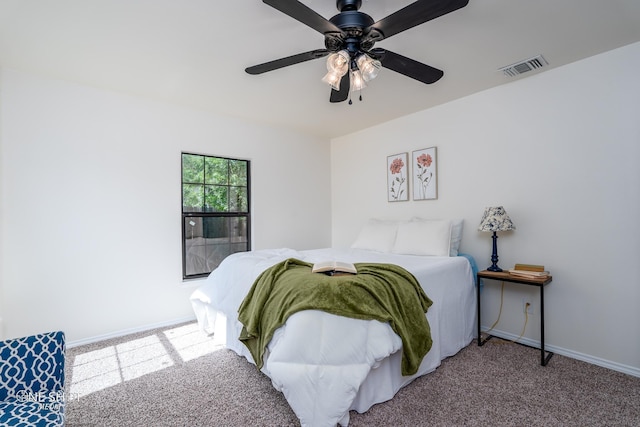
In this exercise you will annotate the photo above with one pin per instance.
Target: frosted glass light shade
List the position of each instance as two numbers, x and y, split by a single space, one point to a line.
368 66
357 81
338 62
333 80
337 66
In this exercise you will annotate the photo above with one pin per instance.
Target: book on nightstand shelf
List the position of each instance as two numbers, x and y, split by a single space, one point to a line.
334 268
529 270
528 267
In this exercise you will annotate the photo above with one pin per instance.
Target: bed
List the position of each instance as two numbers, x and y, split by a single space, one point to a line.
326 365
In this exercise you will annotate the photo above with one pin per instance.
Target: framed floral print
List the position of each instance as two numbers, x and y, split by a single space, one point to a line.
398 177
425 177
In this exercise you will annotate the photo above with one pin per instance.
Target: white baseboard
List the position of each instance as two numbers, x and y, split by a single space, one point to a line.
124 332
630 370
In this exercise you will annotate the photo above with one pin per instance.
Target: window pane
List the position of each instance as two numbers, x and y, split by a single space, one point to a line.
192 227
196 260
238 199
216 198
239 247
192 197
238 229
207 244
216 229
238 172
216 170
209 240
192 168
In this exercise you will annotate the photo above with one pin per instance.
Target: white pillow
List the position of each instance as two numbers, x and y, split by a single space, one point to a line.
426 237
377 235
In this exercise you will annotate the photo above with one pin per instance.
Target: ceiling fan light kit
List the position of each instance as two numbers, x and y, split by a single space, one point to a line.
333 80
357 81
368 66
349 39
337 66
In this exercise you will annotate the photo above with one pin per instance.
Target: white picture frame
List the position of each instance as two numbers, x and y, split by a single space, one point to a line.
425 174
398 177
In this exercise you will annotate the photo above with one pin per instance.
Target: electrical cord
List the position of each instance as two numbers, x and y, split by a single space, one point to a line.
499 312
526 317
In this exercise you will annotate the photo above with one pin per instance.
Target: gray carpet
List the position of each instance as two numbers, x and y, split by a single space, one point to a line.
178 377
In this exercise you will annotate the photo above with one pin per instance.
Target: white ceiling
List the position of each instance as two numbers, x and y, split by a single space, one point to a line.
194 52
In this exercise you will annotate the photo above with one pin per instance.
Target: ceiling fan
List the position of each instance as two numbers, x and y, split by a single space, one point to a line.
349 38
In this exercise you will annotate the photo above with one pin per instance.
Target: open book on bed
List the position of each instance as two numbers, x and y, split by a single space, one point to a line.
334 267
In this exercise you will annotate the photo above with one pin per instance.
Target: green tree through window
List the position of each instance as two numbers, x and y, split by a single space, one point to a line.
215 211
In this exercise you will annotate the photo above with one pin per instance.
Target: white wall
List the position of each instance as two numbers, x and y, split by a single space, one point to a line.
559 150
90 203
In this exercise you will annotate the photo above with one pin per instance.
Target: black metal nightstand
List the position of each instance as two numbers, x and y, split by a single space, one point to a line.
511 278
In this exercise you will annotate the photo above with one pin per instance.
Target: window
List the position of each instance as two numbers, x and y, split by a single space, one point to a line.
215 211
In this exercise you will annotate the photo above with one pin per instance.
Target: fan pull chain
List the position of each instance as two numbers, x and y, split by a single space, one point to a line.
359 98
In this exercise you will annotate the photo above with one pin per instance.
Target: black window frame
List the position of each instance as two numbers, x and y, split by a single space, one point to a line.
185 216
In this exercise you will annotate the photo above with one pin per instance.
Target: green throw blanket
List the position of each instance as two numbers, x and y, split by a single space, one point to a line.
383 292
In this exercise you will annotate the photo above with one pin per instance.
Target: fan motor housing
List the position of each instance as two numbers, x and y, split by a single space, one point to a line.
354 25
352 20
344 5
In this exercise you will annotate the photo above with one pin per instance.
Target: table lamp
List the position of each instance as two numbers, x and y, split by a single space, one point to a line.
495 219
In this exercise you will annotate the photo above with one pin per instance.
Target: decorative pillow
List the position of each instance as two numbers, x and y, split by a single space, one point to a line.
377 235
425 237
456 236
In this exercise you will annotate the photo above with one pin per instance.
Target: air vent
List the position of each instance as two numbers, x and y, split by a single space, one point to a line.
524 66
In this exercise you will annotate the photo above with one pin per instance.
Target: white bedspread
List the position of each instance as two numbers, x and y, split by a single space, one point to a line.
326 365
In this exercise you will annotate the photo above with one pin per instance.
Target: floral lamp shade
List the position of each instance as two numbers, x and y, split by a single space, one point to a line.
496 219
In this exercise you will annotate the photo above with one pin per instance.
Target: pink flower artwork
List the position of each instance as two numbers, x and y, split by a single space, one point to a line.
424 174
397 177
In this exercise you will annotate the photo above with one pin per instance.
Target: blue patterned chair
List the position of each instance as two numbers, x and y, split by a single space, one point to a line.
32 380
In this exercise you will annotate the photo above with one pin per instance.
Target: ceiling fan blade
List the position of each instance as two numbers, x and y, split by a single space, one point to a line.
285 62
343 93
407 66
416 13
302 13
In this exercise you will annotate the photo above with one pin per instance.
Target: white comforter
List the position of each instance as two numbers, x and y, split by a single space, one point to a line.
324 364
